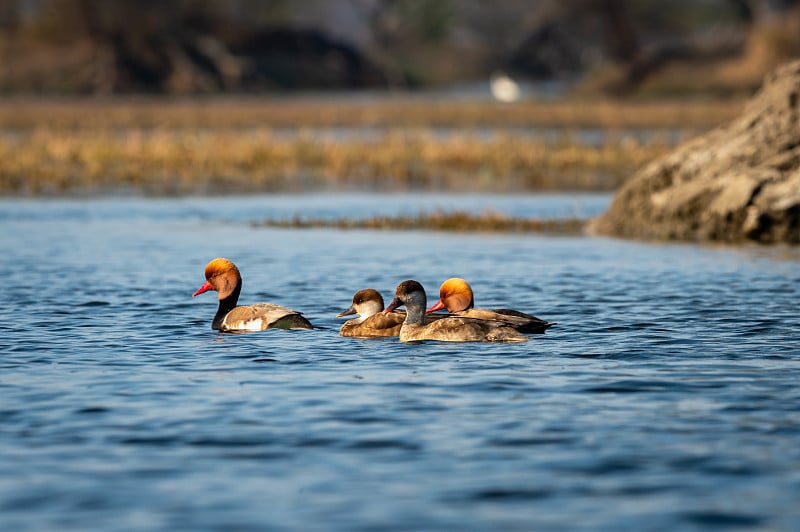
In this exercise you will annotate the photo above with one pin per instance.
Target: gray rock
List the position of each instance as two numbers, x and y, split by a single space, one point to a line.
736 183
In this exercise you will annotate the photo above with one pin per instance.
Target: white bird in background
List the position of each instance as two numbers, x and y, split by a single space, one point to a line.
504 89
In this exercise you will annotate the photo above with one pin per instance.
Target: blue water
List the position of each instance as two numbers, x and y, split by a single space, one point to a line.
667 397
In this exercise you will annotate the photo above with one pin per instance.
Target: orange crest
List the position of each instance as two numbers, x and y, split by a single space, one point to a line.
456 294
218 267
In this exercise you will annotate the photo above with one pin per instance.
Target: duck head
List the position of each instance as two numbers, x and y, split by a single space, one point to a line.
411 294
455 295
223 276
366 303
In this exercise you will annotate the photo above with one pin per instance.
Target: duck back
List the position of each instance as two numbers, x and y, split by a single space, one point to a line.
520 321
261 316
460 329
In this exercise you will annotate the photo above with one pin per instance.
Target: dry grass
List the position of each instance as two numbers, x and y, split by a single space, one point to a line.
157 146
161 161
21 113
459 221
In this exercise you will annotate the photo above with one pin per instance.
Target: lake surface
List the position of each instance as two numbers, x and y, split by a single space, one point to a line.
667 397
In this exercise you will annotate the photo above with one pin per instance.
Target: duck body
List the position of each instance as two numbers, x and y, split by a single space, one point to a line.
449 328
457 329
524 323
261 316
375 326
223 277
455 294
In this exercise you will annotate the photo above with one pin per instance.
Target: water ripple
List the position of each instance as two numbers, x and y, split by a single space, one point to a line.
666 397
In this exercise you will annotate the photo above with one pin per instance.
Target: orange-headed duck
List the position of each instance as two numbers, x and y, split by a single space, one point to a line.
223 276
456 296
448 329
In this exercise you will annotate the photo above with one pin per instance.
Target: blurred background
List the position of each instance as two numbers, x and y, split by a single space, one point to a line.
187 96
246 46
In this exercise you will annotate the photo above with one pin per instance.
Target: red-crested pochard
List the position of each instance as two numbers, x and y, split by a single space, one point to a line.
456 296
223 276
448 329
372 321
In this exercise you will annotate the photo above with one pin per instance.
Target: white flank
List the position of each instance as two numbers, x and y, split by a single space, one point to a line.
251 325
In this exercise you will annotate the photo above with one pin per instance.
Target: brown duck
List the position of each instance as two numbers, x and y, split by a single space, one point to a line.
372 321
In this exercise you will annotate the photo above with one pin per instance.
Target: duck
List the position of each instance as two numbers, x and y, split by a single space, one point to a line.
447 329
372 322
455 294
223 276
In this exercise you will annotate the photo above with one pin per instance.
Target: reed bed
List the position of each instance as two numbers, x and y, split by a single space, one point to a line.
181 161
247 144
359 111
458 221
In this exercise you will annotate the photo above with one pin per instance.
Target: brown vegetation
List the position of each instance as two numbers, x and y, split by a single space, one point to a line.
440 221
160 161
156 146
294 112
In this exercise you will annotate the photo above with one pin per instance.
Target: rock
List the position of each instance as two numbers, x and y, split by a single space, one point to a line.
736 183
